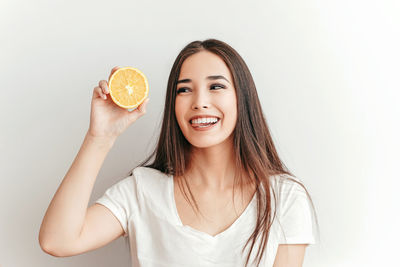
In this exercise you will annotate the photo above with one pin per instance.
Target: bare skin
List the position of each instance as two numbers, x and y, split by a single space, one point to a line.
70 228
218 210
212 186
210 174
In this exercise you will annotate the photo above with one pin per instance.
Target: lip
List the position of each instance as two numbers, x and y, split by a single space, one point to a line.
203 116
205 128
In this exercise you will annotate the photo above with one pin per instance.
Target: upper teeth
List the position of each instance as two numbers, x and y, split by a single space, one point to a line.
204 120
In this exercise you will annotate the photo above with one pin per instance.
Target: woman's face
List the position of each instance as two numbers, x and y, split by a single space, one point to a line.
205 90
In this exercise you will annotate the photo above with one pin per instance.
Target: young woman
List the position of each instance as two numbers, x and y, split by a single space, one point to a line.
203 200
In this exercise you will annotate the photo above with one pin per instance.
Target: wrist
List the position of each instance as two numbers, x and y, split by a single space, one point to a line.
102 141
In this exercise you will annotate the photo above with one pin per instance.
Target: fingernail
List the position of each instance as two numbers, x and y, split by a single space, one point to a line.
104 96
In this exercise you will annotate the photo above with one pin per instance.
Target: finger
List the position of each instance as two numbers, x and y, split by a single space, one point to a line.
140 111
113 70
99 92
142 107
104 86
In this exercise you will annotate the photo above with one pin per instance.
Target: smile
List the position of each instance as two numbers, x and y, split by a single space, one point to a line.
204 125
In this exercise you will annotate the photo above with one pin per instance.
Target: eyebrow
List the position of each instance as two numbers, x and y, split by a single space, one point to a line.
213 77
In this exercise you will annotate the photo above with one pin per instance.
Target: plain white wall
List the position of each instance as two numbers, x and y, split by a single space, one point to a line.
327 74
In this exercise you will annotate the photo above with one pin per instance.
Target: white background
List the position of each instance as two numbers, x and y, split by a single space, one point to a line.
327 73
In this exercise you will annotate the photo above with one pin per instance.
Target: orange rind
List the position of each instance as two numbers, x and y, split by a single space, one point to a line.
128 87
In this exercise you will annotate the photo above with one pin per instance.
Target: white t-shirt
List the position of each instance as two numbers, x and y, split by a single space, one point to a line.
145 206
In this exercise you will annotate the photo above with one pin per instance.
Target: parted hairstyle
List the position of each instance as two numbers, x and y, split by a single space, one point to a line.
255 154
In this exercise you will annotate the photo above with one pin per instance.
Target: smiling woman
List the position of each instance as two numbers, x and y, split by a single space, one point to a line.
206 98
214 139
184 209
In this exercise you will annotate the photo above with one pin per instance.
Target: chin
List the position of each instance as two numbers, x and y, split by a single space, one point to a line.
207 141
203 144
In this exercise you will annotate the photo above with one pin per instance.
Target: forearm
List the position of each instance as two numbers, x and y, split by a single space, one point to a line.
66 213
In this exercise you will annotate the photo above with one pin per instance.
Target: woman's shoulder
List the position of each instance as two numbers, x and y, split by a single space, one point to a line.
287 184
150 179
284 178
144 172
294 210
155 189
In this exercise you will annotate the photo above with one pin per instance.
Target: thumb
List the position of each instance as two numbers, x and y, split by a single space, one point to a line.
139 111
142 107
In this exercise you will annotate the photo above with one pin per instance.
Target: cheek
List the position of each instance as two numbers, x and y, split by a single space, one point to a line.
229 106
180 110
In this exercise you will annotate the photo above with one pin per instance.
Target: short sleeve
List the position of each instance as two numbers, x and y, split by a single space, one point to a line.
119 199
295 215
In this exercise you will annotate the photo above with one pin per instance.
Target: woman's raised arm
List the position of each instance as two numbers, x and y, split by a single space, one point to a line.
69 227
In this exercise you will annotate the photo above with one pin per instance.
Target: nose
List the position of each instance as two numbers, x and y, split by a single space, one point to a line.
197 107
200 100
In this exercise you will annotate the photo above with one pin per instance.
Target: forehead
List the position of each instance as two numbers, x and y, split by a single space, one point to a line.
203 64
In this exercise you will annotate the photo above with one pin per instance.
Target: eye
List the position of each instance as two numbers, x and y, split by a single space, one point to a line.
213 87
182 89
218 85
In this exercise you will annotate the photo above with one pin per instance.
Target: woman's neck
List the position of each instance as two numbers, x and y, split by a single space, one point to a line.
212 168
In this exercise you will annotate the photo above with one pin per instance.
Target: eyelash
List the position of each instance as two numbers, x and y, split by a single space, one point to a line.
218 85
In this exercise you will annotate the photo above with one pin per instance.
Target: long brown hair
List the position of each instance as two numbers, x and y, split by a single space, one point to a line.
255 153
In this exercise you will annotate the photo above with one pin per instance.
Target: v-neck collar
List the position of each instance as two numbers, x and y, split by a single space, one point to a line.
178 220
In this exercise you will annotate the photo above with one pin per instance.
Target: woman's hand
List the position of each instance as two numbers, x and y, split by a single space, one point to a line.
107 120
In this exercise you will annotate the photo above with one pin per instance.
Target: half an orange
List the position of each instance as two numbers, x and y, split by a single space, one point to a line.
128 87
